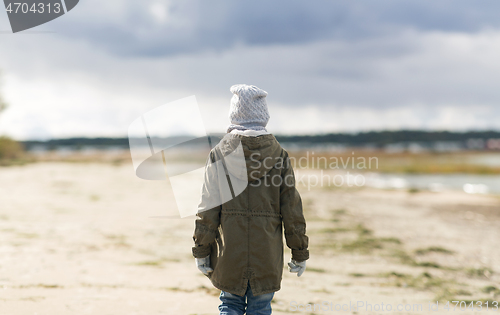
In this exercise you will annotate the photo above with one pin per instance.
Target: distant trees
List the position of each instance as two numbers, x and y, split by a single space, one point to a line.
9 148
383 138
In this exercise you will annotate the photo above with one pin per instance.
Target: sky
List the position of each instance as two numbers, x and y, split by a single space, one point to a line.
328 66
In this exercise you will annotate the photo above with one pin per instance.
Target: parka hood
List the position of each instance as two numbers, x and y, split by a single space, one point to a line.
261 153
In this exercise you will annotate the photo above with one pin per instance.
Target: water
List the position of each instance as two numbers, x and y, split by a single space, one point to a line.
469 183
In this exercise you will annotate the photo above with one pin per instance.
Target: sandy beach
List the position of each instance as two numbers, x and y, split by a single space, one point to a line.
91 238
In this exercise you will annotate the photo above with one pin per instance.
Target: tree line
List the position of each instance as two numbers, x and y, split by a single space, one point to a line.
377 138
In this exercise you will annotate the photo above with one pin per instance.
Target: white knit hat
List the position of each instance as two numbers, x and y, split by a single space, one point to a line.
248 108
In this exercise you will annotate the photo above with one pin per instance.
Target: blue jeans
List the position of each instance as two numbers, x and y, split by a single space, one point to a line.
233 304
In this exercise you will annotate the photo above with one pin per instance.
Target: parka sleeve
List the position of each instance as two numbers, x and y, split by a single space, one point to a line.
206 226
208 216
292 214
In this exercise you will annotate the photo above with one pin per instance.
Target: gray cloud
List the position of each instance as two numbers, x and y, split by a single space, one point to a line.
164 28
330 67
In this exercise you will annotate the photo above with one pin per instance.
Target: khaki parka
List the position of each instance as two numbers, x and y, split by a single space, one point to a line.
244 236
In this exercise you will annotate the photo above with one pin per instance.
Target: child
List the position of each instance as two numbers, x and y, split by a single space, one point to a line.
239 244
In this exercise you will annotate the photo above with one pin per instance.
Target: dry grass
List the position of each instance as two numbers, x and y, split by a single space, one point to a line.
374 160
11 152
412 163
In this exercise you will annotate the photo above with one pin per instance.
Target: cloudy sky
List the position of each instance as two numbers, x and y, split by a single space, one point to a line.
328 66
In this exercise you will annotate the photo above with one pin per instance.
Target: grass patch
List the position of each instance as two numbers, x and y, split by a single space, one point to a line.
407 259
158 263
402 256
322 290
339 211
28 235
357 275
49 286
433 249
362 230
362 244
422 281
394 274
482 272
445 289
394 240
491 290
150 263
118 240
319 270
343 284
429 264
119 237
210 291
463 292
334 230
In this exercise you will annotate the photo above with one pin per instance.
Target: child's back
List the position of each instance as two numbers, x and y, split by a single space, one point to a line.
243 237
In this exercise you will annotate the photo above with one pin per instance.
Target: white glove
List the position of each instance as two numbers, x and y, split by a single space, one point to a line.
297 266
204 265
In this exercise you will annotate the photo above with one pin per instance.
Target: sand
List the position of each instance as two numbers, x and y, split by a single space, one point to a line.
83 238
